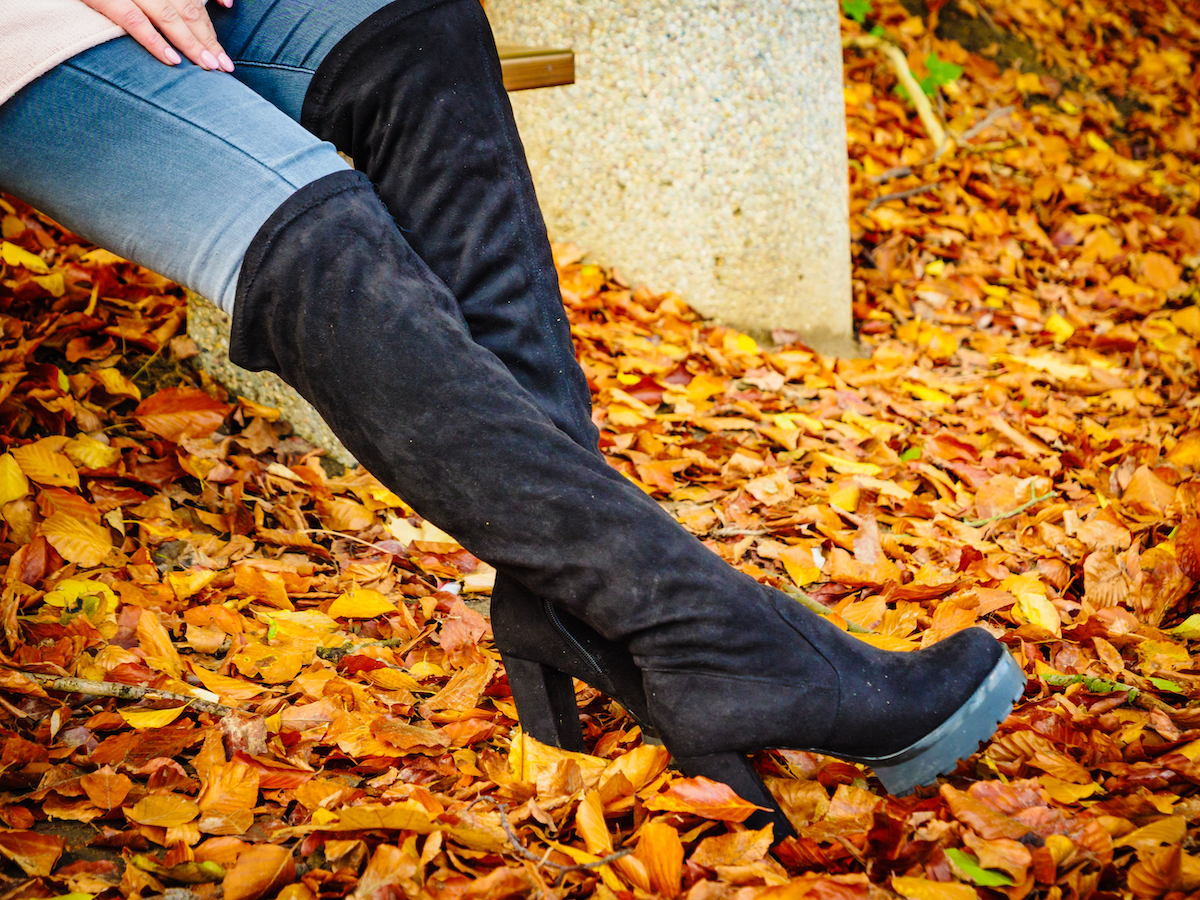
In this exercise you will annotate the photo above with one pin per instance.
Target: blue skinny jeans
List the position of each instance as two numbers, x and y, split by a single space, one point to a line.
176 168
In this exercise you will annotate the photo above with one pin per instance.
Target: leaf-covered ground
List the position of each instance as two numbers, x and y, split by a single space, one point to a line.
305 702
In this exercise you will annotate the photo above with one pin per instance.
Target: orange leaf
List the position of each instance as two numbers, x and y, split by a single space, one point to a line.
228 788
156 645
262 869
1152 878
704 798
164 810
35 853
178 413
661 851
106 788
79 541
589 823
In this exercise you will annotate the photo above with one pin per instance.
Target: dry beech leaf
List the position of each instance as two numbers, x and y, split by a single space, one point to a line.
704 798
178 413
924 889
43 462
1157 874
261 869
165 810
78 540
661 852
105 787
36 854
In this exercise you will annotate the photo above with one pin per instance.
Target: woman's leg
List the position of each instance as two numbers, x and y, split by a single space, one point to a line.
419 103
156 162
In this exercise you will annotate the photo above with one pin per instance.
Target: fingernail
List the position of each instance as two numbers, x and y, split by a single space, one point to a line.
209 61
226 62
172 57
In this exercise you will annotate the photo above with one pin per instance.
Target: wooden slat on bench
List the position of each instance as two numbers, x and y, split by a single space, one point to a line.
535 67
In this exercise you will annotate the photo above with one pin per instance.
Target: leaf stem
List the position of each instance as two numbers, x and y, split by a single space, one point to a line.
1033 500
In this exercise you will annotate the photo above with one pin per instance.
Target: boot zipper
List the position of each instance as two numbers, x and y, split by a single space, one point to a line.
552 615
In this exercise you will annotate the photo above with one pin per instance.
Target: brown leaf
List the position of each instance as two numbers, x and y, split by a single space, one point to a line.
178 413
78 540
105 787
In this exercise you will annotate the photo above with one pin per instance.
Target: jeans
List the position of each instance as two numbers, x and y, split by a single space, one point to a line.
176 168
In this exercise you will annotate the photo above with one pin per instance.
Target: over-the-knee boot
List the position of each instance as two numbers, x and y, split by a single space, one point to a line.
333 299
415 96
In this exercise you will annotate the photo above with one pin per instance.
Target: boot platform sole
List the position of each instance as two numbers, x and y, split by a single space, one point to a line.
957 738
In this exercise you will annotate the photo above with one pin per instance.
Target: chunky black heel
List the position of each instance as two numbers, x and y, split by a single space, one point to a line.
738 772
545 699
543 648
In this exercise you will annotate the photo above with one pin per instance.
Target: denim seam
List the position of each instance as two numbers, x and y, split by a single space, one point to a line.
165 111
282 67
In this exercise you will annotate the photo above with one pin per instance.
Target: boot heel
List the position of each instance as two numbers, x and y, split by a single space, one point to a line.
736 770
545 699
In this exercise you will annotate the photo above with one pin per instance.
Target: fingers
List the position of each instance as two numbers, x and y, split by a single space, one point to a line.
159 24
186 25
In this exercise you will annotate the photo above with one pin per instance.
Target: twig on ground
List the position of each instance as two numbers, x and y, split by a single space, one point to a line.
977 523
897 172
823 610
985 122
541 861
336 654
900 195
738 532
899 62
69 685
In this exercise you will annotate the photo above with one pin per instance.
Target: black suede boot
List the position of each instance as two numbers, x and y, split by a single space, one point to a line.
333 299
414 94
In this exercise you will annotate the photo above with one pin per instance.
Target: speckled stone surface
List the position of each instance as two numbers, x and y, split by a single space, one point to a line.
209 328
702 149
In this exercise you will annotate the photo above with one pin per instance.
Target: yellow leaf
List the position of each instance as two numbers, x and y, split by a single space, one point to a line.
1059 327
1171 830
13 483
79 541
361 603
72 594
18 256
42 463
54 284
1065 792
1036 609
117 384
144 719
185 584
800 566
847 466
924 889
930 395
89 453
163 810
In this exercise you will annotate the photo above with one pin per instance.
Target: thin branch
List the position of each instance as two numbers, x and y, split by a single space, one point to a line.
348 537
897 172
821 609
900 195
900 65
1033 501
541 861
987 120
336 654
68 685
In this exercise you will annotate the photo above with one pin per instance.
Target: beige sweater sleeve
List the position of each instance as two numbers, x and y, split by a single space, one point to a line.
36 35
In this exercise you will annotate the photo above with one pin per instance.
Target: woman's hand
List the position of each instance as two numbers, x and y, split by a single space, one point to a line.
184 23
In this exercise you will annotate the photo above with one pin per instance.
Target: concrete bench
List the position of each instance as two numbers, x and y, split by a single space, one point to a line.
524 68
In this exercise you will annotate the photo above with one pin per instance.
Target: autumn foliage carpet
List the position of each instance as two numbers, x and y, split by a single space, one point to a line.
303 701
